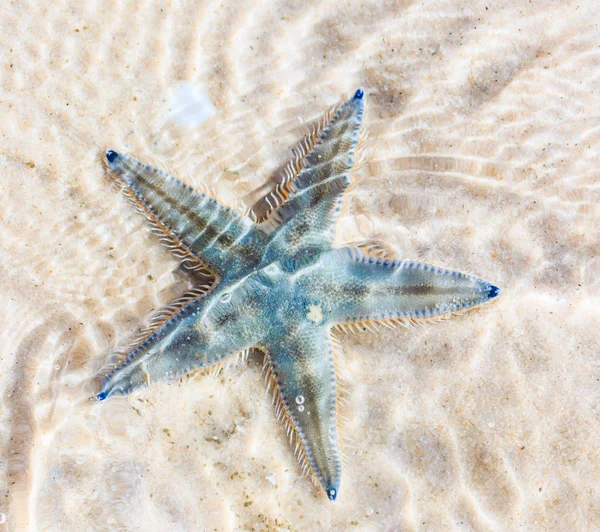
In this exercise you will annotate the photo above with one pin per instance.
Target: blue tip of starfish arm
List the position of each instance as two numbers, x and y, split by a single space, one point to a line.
358 95
332 494
493 291
111 155
102 395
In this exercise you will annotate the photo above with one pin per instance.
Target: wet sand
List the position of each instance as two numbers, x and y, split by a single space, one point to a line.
482 155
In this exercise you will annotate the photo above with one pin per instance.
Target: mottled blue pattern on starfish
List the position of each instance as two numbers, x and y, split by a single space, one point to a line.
280 286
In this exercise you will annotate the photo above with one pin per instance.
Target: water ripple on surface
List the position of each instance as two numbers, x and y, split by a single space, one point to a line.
484 134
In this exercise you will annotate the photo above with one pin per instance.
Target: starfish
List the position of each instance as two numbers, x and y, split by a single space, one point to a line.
279 285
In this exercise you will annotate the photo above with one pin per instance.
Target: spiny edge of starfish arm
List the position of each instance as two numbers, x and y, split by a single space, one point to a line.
391 322
213 369
166 236
414 291
203 332
306 220
205 234
379 252
309 452
158 320
346 122
267 203
282 414
278 195
316 169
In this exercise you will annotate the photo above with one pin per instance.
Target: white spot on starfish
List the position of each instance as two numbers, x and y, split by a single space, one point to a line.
315 314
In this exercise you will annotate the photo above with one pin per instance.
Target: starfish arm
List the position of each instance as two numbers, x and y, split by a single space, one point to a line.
332 157
271 194
199 228
354 286
311 200
301 365
204 333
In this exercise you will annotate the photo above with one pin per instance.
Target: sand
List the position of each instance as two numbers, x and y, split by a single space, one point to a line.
484 134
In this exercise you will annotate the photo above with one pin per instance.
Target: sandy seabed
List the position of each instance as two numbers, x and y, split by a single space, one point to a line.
483 154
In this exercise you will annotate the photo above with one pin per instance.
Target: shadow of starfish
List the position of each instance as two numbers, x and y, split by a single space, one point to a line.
280 286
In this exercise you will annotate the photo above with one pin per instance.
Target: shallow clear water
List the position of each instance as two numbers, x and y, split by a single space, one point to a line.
482 155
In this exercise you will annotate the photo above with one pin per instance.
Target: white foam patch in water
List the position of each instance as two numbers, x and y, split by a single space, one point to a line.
188 105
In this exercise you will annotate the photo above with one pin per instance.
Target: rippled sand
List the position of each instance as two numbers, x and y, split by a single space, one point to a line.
484 123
